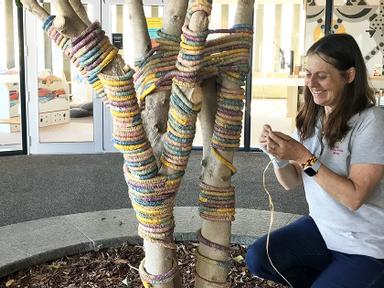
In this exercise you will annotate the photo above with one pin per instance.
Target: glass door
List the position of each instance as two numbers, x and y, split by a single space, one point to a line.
12 100
114 12
278 48
65 115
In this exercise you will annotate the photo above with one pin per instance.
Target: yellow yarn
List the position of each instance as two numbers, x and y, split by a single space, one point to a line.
130 147
220 157
147 91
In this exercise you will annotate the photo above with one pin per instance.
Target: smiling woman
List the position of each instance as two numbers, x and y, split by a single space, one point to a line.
333 83
325 82
342 170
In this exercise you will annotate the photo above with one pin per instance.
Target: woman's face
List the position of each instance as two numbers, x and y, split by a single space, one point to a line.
325 82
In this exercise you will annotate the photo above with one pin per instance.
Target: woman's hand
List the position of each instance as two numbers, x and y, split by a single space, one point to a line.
278 145
264 136
283 146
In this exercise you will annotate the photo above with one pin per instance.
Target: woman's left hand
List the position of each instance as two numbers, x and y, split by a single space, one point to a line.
285 147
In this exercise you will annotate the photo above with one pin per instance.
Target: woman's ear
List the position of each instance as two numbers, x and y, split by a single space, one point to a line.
351 73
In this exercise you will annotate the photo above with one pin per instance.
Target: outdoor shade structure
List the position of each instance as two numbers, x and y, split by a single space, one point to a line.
155 106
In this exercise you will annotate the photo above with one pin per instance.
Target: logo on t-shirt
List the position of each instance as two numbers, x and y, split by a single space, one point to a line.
336 150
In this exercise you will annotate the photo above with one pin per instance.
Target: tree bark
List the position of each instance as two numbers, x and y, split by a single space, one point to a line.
80 11
207 118
141 43
217 174
34 7
160 259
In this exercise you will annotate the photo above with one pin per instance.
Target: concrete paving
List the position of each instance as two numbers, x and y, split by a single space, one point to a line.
42 186
37 241
48 204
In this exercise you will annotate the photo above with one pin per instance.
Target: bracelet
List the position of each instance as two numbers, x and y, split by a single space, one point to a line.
309 162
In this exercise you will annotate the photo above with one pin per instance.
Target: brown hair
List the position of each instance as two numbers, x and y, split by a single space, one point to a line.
342 52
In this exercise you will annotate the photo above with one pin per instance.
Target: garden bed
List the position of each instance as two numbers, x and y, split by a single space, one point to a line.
109 267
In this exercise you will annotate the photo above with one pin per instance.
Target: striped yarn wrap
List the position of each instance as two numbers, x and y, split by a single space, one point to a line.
89 59
181 129
149 279
227 56
228 119
211 244
154 69
59 39
211 283
191 53
152 195
216 203
224 264
92 52
153 200
128 133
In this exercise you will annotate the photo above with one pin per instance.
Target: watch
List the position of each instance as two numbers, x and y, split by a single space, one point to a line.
311 166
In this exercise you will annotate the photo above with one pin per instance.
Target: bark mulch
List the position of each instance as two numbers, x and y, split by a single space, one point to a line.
109 267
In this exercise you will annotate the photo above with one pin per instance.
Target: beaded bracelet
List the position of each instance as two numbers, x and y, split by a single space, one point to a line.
309 162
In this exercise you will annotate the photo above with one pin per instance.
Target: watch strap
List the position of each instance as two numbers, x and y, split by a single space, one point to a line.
311 166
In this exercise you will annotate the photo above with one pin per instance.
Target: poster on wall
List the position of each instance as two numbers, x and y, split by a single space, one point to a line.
154 24
364 20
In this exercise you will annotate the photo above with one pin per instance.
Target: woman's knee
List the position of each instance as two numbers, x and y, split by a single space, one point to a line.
256 258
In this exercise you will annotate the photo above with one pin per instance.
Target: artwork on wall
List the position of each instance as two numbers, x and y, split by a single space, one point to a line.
362 19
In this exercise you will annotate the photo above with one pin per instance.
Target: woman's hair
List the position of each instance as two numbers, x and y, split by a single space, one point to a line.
342 52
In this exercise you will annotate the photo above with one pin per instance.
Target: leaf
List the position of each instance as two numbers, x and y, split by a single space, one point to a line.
239 259
125 282
120 261
18 3
10 282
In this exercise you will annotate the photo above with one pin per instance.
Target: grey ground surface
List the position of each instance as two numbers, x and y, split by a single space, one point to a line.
41 186
57 205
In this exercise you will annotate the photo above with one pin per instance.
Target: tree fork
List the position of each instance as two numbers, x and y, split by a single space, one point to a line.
155 113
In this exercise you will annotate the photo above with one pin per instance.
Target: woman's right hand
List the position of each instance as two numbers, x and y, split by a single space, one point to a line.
266 143
263 139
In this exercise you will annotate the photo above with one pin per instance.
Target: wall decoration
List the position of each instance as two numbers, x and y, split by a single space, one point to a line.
362 19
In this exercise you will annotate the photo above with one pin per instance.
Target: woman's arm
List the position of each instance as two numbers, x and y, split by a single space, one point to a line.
351 191
290 176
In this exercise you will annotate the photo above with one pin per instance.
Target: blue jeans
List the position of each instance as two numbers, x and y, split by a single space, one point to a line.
299 253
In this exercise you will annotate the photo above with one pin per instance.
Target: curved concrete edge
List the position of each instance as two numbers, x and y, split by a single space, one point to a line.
29 243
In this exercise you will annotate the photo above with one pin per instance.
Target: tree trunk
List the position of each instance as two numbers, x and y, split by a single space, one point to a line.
159 259
71 21
217 174
34 7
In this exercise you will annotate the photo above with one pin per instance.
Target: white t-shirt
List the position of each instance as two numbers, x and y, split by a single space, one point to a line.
353 232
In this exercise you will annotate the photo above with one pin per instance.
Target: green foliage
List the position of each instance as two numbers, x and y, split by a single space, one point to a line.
18 3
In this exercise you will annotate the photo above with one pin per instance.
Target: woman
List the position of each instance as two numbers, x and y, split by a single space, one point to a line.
337 152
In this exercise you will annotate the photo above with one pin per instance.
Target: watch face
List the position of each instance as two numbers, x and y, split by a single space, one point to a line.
310 171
